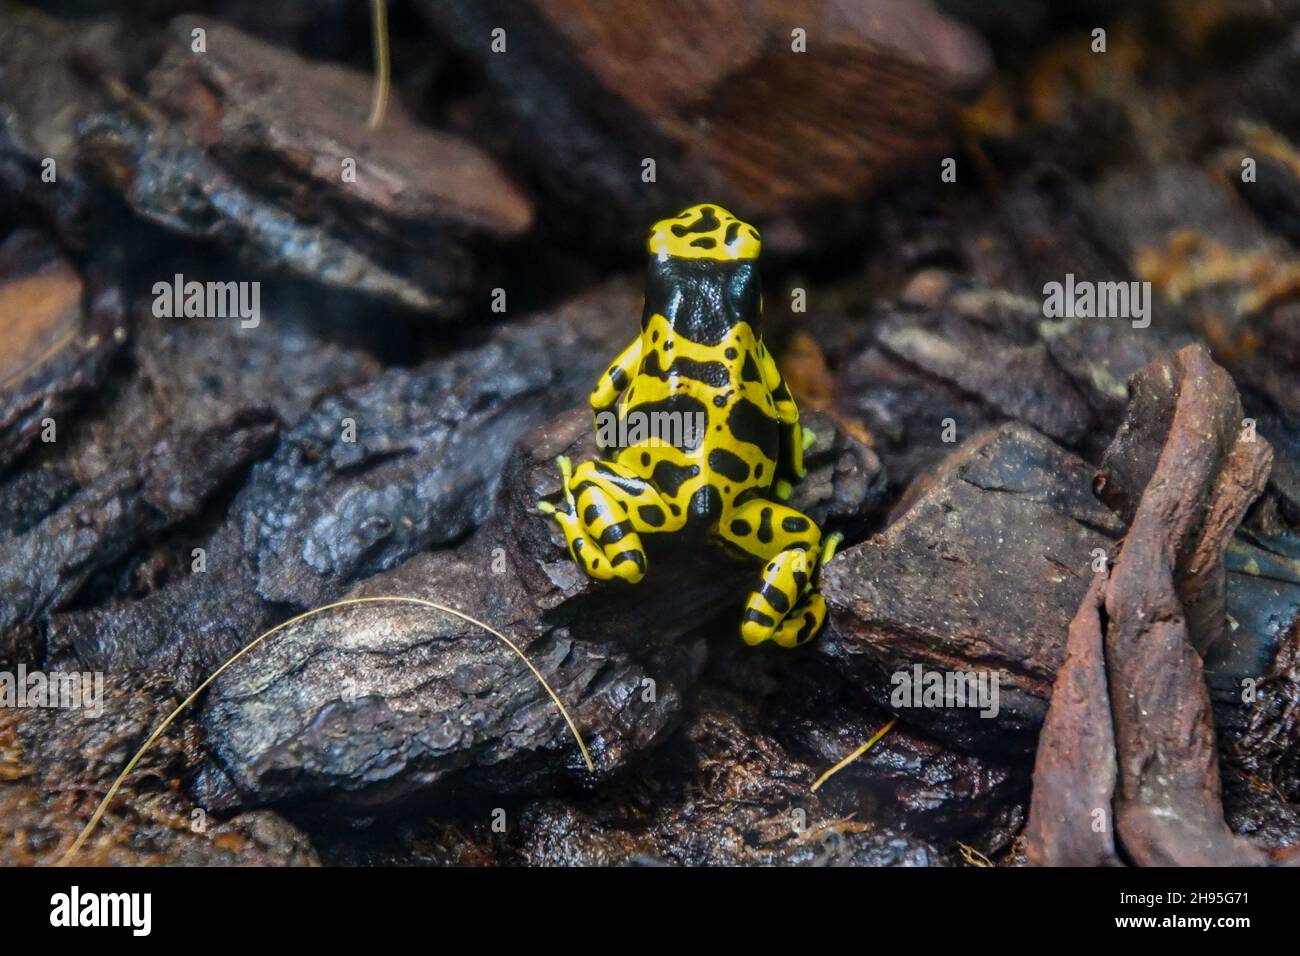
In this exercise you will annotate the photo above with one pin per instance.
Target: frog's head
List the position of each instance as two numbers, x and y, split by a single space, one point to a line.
704 231
703 277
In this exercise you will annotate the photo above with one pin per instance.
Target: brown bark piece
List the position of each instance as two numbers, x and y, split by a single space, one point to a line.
1183 441
270 157
718 96
289 125
1070 819
1163 601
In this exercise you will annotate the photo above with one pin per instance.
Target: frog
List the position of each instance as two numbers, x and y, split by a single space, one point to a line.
700 356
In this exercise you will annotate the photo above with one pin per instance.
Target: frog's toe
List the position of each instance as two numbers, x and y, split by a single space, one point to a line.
624 561
798 626
803 623
785 579
830 546
629 564
756 627
785 608
606 550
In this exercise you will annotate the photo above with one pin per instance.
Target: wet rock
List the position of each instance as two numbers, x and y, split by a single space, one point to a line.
268 114
953 357
393 734
372 476
228 141
377 704
1263 645
597 646
987 347
907 779
44 568
907 413
726 794
1199 245
57 340
202 399
55 765
1009 514
1253 810
43 98
590 96
1133 663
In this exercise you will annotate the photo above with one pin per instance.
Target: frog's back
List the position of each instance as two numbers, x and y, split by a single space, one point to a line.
700 420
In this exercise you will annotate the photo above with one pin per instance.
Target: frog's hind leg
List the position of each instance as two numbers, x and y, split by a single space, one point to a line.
605 510
786 608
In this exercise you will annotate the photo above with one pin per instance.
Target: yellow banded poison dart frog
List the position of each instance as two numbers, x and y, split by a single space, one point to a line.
734 444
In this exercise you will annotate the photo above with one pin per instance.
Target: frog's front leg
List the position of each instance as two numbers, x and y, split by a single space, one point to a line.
795 440
786 607
606 509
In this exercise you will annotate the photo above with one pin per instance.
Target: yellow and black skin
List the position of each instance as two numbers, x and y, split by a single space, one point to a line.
700 351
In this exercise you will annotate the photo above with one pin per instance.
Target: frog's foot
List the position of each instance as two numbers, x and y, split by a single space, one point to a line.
805 619
594 519
784 608
803 623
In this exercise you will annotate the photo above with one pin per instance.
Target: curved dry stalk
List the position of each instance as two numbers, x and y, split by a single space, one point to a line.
379 104
377 599
853 756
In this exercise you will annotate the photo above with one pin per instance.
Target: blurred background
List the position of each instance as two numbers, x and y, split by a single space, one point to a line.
446 230
521 150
